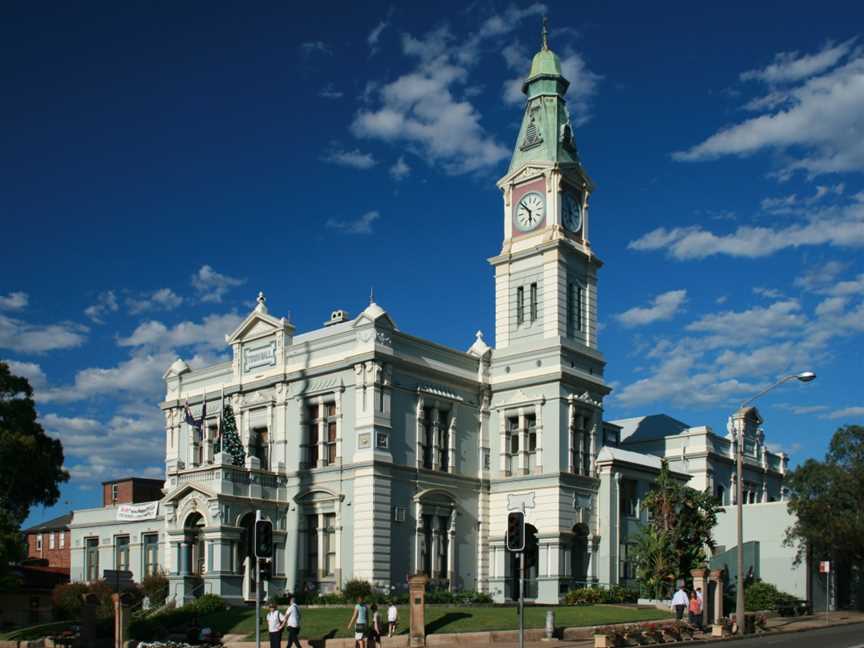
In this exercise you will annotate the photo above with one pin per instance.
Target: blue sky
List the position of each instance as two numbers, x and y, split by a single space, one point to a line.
163 163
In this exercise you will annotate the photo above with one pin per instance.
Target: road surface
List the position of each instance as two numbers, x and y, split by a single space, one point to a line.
845 636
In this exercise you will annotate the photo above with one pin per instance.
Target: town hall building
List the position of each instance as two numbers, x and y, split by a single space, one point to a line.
377 454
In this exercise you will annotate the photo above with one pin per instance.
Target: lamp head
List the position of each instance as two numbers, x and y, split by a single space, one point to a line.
806 376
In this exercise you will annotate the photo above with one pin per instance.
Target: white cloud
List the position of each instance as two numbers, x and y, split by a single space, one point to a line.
820 275
375 35
795 204
209 334
14 301
851 287
212 286
29 370
757 323
139 376
429 108
768 293
162 299
816 121
841 226
24 337
355 159
400 169
329 91
663 307
853 413
106 302
311 48
361 225
806 409
793 66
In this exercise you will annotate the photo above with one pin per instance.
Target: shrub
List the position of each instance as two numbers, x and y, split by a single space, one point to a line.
155 587
621 594
354 589
760 595
67 600
207 604
586 596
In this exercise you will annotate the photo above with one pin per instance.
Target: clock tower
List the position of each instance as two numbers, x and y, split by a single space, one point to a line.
546 274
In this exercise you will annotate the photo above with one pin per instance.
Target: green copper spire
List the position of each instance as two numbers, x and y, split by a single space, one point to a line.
546 134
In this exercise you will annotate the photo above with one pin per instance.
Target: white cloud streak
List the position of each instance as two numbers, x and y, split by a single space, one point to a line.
212 286
361 225
663 307
14 301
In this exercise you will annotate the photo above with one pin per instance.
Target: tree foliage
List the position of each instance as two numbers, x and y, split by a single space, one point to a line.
31 463
827 499
675 539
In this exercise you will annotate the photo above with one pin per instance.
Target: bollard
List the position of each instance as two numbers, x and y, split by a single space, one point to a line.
550 625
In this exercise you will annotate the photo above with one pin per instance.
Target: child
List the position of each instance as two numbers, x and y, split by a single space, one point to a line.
375 627
392 619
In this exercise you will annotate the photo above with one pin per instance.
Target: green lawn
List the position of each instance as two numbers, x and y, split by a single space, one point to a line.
330 622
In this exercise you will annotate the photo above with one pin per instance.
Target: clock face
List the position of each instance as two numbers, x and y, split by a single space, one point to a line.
571 212
530 211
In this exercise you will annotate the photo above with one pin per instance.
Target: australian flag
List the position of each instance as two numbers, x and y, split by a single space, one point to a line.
191 420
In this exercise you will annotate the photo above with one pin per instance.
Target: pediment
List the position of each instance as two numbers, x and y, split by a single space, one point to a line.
258 325
181 492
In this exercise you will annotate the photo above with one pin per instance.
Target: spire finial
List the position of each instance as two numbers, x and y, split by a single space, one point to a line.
371 295
261 307
545 32
261 298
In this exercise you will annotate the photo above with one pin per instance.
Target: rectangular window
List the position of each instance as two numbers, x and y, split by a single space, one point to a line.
150 548
91 558
580 298
628 571
115 493
312 539
51 540
533 312
443 439
520 305
330 544
38 542
428 434
121 553
531 442
261 448
330 431
512 459
312 436
586 454
62 539
628 499
443 546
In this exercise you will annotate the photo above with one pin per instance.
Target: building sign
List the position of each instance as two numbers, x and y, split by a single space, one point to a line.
520 501
824 566
137 512
263 356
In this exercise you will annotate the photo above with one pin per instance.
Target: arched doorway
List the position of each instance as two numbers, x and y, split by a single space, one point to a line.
532 563
193 537
579 555
246 555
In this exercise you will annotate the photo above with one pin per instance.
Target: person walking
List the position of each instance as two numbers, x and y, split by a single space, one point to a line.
392 618
275 623
679 602
375 627
292 622
694 609
360 621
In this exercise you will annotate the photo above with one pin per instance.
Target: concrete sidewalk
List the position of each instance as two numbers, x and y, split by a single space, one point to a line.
582 637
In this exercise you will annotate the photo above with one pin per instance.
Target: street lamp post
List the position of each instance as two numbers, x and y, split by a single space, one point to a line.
804 376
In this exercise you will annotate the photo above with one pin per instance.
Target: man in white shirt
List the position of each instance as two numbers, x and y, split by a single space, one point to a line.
392 619
275 623
679 602
292 621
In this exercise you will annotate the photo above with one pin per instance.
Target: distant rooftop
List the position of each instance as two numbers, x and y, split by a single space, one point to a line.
137 479
649 428
61 522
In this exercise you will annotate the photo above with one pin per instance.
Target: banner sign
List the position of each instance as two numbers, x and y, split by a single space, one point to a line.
137 512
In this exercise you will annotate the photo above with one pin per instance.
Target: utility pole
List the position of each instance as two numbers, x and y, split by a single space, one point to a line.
257 586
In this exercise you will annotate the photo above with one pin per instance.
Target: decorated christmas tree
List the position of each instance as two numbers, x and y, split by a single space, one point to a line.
230 440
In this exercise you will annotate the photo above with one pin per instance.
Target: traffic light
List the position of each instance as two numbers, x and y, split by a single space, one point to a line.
531 548
263 538
516 531
266 568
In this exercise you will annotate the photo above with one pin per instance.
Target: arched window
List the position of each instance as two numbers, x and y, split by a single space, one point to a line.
193 532
579 554
435 536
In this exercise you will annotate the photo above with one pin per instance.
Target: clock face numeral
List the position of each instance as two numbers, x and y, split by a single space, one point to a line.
530 211
571 212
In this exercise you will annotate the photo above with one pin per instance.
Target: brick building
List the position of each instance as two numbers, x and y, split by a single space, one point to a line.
50 540
131 490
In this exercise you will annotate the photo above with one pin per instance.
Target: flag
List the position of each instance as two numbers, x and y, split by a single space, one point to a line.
189 418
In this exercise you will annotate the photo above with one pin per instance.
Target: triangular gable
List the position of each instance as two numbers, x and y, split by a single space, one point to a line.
182 491
379 320
258 325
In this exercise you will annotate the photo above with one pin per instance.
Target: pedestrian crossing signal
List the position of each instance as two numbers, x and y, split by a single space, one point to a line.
516 531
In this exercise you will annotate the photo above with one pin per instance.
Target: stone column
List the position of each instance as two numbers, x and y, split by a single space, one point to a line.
185 558
523 445
418 538
417 594
538 429
320 570
121 619
451 553
451 444
436 433
717 577
436 546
